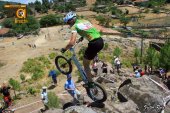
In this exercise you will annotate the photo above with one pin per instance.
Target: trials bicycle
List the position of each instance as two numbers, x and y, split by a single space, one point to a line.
97 93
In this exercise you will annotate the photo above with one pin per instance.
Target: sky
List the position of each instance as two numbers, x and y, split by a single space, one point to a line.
21 1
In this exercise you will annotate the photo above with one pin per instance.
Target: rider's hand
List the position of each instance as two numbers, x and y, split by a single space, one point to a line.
63 50
80 39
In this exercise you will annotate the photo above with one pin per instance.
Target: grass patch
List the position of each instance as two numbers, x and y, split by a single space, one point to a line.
52 55
1 64
53 100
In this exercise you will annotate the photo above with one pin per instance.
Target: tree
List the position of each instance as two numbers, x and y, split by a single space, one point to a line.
165 56
151 57
125 20
50 20
15 85
46 4
8 22
136 54
44 9
117 51
37 6
30 26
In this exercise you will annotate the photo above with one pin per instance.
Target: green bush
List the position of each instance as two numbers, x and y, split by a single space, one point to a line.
32 66
15 84
8 22
50 20
31 91
117 51
53 101
165 56
44 60
156 10
31 26
106 46
126 63
22 77
37 75
52 55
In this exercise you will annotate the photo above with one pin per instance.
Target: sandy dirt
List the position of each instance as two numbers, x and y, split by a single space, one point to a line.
15 52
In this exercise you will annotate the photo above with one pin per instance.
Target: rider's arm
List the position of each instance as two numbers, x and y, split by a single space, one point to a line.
106 30
72 40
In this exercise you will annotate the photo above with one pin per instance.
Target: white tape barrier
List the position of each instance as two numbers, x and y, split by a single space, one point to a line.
36 110
25 105
160 85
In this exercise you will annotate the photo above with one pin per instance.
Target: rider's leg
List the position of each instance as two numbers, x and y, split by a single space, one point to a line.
87 69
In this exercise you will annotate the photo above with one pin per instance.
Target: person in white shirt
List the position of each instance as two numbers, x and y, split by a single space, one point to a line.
44 97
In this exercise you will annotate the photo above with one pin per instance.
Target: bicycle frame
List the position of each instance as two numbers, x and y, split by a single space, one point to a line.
78 65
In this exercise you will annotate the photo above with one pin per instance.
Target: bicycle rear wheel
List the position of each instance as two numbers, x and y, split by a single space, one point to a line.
97 93
63 65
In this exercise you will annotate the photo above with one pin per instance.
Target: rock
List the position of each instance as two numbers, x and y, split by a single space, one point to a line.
128 107
54 111
145 94
79 109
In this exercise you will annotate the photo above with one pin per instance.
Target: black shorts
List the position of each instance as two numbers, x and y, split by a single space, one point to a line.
93 48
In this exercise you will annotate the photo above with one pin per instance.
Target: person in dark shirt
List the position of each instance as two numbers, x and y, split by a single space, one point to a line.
6 94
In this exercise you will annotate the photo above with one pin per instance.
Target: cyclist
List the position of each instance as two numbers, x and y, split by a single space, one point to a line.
6 93
85 29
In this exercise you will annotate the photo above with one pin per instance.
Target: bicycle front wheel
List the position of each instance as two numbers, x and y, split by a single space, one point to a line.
63 65
97 93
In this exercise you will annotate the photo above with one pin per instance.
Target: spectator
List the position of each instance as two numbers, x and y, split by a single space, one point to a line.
137 74
104 67
117 64
53 74
71 89
5 90
44 97
162 73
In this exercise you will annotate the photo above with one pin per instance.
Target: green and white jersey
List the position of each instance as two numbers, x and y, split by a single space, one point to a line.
85 29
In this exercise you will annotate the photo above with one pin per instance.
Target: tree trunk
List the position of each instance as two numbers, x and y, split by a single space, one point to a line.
15 93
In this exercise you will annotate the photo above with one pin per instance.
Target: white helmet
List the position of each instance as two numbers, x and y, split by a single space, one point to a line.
69 16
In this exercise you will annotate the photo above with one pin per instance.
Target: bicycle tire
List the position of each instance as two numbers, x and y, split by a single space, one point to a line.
104 98
58 66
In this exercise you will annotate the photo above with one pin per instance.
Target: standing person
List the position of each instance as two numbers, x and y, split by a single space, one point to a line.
53 74
44 97
117 64
5 90
71 89
92 33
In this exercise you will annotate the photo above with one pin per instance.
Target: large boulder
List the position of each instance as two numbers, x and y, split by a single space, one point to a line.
146 94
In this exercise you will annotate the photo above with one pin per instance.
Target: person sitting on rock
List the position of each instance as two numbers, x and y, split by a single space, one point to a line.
137 74
5 90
